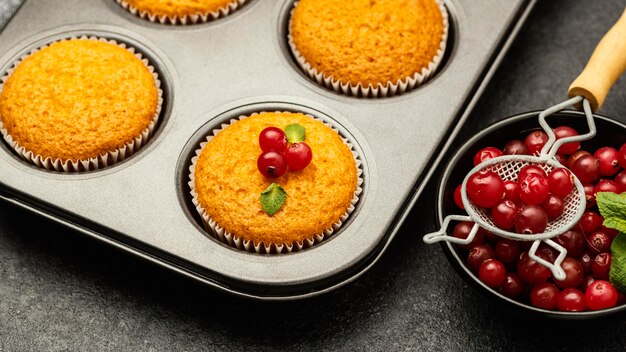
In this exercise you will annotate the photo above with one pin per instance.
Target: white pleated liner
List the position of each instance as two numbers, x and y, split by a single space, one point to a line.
237 242
103 160
380 90
186 19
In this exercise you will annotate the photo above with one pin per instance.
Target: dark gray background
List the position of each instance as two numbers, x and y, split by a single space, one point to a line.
62 291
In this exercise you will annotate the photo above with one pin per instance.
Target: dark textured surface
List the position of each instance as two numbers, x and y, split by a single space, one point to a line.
61 291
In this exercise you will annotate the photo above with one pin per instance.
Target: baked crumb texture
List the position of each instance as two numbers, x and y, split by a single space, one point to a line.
226 186
79 104
181 11
369 47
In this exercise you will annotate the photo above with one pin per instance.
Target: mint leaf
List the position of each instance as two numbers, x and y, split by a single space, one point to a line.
613 208
295 133
273 198
617 275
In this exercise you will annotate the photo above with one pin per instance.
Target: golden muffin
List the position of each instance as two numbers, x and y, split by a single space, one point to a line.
368 42
228 184
176 10
78 99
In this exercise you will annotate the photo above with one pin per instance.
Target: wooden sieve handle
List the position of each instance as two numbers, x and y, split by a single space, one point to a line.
606 64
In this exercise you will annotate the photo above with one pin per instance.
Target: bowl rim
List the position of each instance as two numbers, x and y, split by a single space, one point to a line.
452 254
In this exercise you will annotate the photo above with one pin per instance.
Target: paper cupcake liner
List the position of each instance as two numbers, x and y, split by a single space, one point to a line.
379 91
213 228
94 163
186 19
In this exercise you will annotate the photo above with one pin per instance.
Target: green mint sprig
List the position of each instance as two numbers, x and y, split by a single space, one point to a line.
613 208
273 199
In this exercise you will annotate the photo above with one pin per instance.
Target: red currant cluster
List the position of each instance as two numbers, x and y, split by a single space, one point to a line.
505 264
278 154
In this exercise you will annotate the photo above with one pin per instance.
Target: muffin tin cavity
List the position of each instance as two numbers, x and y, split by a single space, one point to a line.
197 17
205 224
352 89
115 156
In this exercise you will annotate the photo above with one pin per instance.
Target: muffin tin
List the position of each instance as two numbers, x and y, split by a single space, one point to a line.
234 66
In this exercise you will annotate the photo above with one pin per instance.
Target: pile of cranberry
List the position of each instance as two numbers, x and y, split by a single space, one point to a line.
526 205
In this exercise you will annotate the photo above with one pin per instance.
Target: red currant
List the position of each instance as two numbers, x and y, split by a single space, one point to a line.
567 148
571 300
511 191
515 147
512 286
608 158
486 154
492 273
298 156
587 169
273 139
485 188
477 255
535 142
504 213
530 169
531 219
544 295
533 189
553 206
601 266
463 229
574 273
271 164
530 271
590 221
573 241
458 200
560 182
600 295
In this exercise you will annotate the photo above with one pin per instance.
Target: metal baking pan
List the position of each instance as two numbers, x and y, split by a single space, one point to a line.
237 65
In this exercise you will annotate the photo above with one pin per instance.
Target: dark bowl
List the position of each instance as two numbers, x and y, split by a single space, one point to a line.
609 133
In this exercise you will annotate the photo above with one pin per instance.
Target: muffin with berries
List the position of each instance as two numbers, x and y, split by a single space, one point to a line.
288 184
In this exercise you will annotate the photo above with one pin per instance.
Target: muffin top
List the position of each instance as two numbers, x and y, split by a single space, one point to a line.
179 8
367 41
78 99
229 184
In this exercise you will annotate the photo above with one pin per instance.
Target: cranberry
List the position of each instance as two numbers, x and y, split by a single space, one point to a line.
560 182
530 169
586 260
533 189
553 206
590 196
507 251
601 266
271 164
273 139
515 147
620 181
486 154
485 188
587 280
535 142
512 286
530 271
573 273
606 186
608 158
561 159
511 191
504 213
587 169
477 255
462 230
590 221
531 219
600 295
608 231
544 295
571 300
599 242
298 156
458 200
622 156
492 273
546 252
567 148
573 241
572 158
